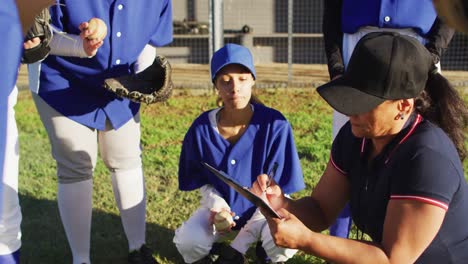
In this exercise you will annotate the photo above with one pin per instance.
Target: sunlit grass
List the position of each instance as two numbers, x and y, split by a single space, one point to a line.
163 128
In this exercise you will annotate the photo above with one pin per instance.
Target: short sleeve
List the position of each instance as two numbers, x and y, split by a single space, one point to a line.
428 177
163 33
190 169
56 16
285 153
344 149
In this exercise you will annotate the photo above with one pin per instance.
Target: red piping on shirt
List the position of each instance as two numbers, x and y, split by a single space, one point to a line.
363 145
413 127
420 199
336 167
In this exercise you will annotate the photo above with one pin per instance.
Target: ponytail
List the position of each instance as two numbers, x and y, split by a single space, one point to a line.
441 104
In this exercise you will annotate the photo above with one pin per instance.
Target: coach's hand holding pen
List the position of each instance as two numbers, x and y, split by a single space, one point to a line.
271 175
269 190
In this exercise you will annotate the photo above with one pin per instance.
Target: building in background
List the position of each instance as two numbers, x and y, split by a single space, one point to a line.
262 26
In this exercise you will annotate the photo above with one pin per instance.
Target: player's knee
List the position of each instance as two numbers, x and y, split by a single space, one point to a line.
74 169
275 253
114 163
67 175
192 244
67 179
186 241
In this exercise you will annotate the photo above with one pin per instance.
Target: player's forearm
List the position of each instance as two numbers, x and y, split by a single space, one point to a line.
28 9
145 59
333 36
439 37
211 198
63 44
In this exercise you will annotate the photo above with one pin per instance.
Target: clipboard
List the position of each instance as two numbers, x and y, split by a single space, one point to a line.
244 191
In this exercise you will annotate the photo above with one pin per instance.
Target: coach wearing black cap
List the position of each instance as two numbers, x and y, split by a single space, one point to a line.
397 161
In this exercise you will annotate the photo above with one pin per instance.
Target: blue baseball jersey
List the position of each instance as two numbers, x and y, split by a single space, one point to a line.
421 164
417 14
12 43
73 86
267 139
10 52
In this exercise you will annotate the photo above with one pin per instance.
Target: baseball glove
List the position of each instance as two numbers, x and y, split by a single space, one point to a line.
154 84
42 30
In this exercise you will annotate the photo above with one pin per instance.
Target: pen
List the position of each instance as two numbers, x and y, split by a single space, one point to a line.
271 175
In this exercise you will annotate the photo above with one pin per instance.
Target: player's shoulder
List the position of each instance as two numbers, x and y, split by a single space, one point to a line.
268 111
203 117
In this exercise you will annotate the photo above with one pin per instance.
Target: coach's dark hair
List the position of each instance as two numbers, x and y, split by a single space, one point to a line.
442 105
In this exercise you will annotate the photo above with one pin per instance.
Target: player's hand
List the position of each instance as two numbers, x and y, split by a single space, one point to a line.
221 228
273 194
289 231
29 44
90 46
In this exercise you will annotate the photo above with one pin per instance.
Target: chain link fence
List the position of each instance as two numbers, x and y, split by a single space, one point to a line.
262 26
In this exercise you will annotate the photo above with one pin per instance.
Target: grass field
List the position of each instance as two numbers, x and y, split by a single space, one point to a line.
163 128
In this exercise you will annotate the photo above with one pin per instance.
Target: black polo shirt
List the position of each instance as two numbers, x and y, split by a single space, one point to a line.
420 163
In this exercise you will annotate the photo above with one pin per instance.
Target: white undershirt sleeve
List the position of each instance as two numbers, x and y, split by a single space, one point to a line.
145 59
211 199
63 44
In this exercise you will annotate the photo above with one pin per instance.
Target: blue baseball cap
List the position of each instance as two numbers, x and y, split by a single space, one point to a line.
231 54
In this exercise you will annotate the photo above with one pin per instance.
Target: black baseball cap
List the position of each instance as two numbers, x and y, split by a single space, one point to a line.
384 66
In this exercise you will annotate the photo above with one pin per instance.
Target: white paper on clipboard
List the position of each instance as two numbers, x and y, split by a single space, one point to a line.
244 191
